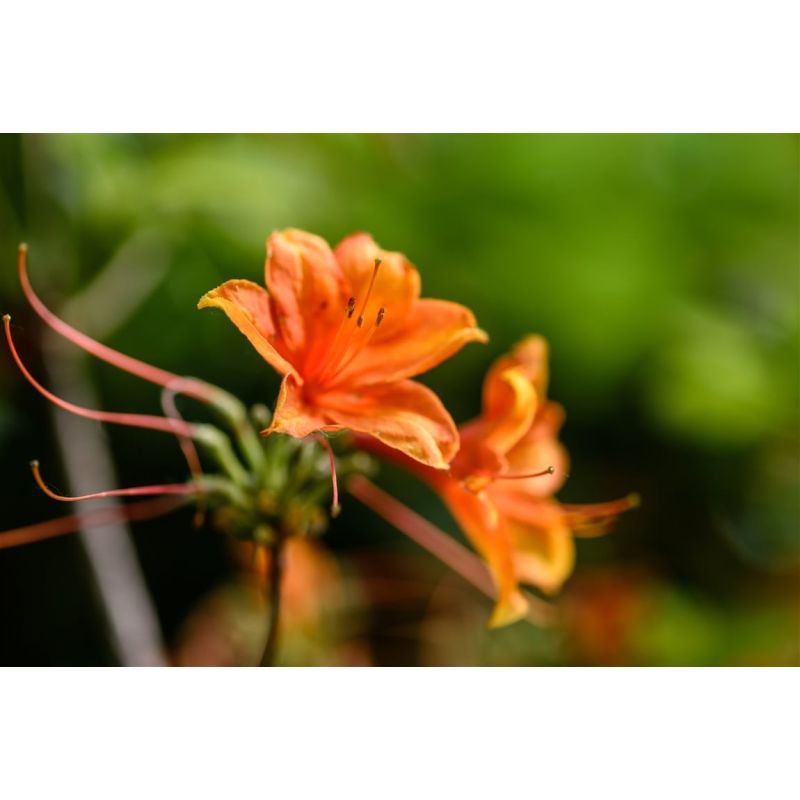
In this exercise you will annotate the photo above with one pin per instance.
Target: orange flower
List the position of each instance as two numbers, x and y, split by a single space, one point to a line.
504 478
500 485
347 329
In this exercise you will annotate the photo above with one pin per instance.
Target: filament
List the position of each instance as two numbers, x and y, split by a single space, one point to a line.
145 509
346 345
549 471
335 507
136 491
374 275
132 420
355 351
334 347
194 388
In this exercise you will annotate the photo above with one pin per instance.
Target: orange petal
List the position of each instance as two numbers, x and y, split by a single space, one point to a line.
530 357
404 415
247 306
476 464
293 415
479 519
433 331
536 451
509 407
544 556
544 551
397 283
595 519
307 287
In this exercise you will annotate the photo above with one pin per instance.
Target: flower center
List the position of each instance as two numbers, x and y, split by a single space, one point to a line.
351 338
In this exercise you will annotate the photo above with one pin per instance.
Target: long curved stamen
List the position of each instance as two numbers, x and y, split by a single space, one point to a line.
335 507
193 388
145 509
184 489
549 471
132 420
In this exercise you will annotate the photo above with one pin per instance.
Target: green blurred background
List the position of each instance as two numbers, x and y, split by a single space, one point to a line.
663 270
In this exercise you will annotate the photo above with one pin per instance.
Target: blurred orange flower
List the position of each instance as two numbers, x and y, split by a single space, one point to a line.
311 578
227 626
500 485
347 329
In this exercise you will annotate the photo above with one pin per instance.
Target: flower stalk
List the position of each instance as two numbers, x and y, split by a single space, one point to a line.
274 579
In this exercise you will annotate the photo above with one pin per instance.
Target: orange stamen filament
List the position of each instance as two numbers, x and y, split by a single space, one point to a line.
137 491
358 347
374 275
349 340
549 471
132 420
337 339
335 507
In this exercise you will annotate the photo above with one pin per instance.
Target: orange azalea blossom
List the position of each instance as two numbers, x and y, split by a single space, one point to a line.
347 329
501 484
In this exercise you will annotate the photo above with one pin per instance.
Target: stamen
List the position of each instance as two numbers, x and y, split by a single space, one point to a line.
137 491
335 346
374 275
345 343
132 420
549 471
144 509
193 388
335 507
359 346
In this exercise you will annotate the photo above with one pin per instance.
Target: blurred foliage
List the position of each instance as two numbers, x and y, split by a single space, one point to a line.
664 271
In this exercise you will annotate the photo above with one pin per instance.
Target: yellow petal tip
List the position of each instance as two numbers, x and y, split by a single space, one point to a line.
509 611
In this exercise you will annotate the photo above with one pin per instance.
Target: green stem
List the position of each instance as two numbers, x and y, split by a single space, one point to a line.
273 613
235 414
219 447
215 485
